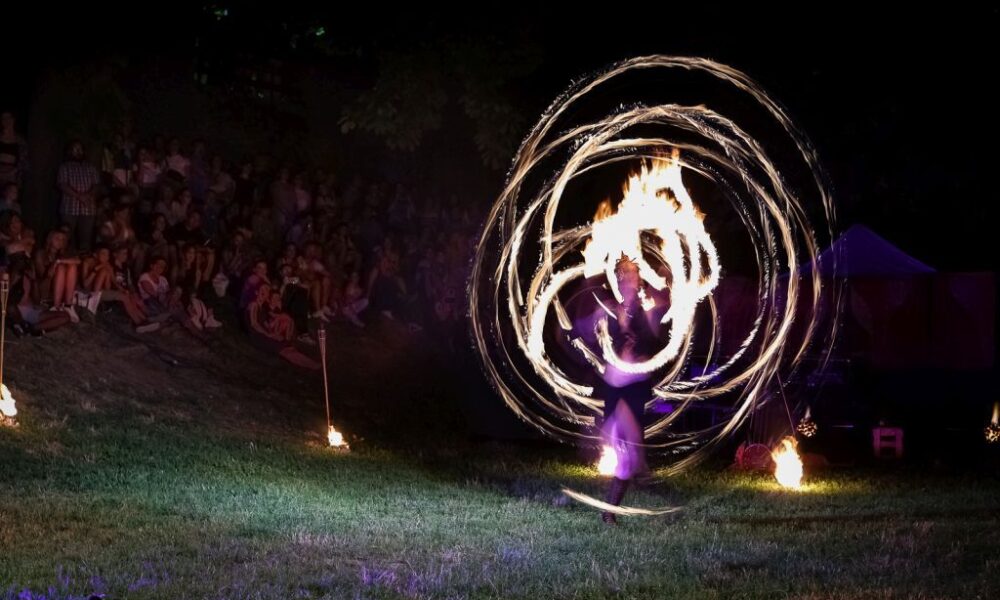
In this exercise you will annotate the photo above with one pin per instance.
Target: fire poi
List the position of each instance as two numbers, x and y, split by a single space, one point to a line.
547 308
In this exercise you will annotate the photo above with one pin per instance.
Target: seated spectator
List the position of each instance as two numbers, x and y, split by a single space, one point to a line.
386 288
157 241
295 299
180 206
278 321
265 335
165 198
117 230
14 236
190 233
26 316
353 300
57 273
222 183
289 256
110 280
256 278
178 166
313 272
237 257
160 301
188 277
245 187
9 199
18 243
148 177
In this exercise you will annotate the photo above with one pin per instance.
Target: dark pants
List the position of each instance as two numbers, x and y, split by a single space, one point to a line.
81 231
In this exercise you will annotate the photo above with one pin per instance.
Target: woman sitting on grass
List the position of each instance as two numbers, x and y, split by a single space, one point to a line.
57 274
251 285
188 276
26 316
111 280
154 243
160 302
271 336
353 301
313 272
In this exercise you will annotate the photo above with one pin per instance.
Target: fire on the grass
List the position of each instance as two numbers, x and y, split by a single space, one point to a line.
787 464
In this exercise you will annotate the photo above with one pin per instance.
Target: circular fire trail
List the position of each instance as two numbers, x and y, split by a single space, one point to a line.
543 288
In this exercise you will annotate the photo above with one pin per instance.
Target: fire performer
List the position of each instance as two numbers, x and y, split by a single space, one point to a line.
626 394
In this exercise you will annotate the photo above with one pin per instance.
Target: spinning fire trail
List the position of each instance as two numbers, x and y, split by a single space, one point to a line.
535 265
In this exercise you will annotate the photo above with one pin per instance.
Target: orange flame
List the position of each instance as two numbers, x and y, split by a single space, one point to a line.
609 461
335 438
787 464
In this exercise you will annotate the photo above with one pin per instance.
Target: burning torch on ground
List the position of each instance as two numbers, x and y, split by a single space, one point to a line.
333 437
8 409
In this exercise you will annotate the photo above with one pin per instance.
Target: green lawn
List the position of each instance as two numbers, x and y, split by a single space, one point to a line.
164 481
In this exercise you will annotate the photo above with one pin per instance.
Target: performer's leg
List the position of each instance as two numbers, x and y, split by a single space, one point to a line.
624 434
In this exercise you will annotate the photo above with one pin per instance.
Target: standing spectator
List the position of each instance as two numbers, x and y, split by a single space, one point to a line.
78 181
13 151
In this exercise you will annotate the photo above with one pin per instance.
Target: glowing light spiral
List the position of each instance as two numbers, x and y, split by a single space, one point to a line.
521 321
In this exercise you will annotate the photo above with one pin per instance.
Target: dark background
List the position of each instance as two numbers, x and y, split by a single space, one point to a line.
899 104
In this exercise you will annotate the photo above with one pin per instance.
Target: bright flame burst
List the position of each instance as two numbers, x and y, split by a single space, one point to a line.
787 464
7 406
608 462
523 323
335 438
655 200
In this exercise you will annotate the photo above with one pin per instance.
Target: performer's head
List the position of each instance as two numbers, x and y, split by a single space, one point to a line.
629 281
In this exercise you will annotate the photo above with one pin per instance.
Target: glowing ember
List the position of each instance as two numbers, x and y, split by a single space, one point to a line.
787 464
335 438
993 429
609 461
7 407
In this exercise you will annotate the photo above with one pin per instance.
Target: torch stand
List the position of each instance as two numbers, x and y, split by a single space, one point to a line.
7 407
334 437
